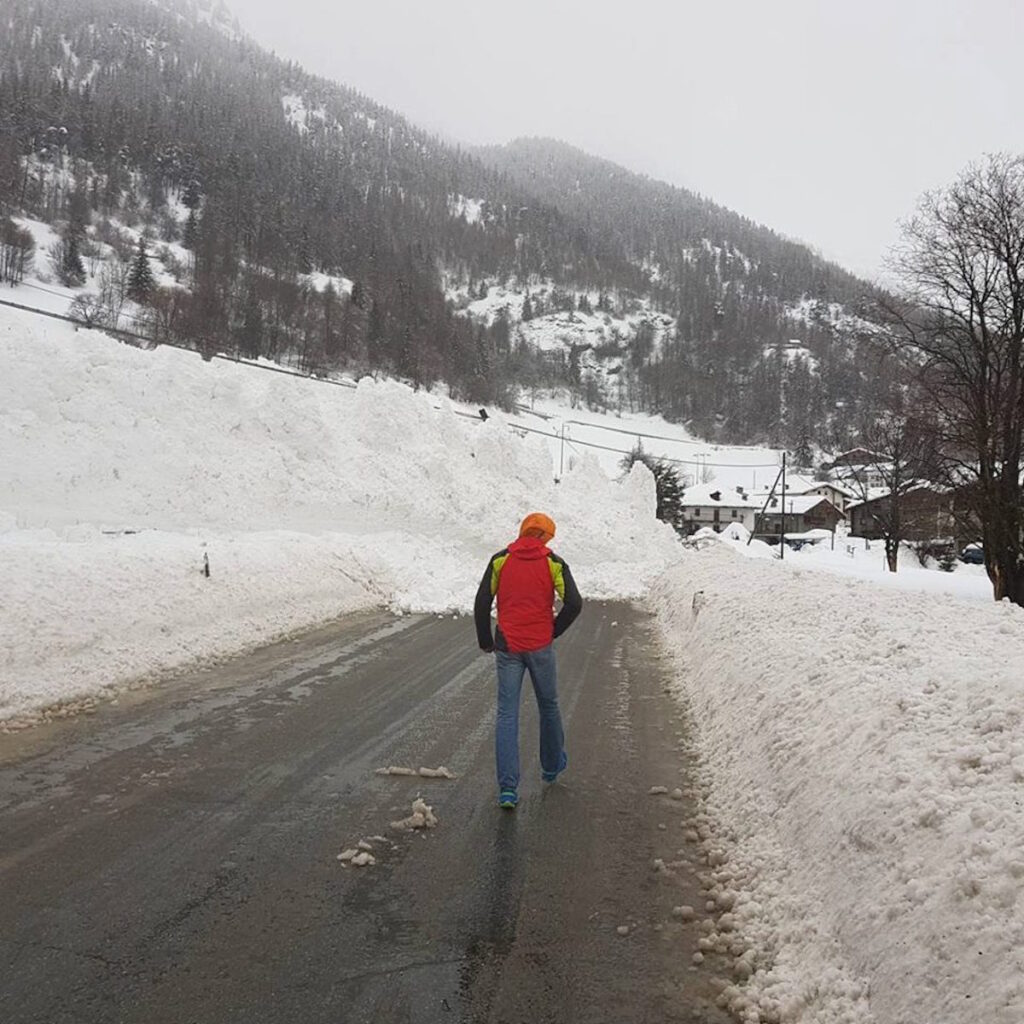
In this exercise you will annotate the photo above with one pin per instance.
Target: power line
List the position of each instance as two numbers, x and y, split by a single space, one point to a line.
117 332
660 437
573 442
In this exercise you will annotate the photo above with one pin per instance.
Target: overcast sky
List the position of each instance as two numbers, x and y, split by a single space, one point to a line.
824 119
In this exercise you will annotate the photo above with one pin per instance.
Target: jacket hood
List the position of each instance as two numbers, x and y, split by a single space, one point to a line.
529 548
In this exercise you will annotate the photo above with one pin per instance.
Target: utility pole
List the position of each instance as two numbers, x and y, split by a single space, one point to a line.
764 508
561 455
782 536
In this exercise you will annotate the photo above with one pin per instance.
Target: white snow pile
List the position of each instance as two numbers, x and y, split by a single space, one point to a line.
123 471
360 855
423 773
863 756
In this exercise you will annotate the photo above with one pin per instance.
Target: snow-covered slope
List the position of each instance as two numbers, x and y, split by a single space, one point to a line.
124 469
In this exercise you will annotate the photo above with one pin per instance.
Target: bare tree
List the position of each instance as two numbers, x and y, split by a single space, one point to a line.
17 251
899 449
962 325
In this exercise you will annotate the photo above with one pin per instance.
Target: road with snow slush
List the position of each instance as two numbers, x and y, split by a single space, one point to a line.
173 857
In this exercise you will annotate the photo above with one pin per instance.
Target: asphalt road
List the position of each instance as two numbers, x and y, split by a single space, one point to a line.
173 857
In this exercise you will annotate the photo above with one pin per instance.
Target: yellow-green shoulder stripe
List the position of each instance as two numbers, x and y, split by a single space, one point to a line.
496 564
556 577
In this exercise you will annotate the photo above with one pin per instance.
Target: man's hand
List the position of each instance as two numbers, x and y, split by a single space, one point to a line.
487 648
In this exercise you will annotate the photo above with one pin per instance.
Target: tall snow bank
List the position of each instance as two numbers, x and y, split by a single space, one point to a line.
864 754
123 470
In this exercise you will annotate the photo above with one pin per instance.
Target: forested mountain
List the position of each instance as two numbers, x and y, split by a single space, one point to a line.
295 219
765 339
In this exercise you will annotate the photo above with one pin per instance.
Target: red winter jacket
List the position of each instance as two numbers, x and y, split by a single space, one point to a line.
525 578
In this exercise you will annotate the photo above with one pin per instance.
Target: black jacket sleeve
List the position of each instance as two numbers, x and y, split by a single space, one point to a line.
482 609
572 603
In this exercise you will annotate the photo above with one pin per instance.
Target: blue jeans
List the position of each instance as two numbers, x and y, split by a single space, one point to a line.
511 668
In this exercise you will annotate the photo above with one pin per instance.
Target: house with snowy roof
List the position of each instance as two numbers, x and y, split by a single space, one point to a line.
860 468
798 484
800 512
710 505
839 495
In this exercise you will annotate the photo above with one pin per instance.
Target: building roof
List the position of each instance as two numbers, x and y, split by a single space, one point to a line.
798 504
876 494
835 485
798 484
704 494
857 456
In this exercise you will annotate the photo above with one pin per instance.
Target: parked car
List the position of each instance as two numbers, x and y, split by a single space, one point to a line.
973 554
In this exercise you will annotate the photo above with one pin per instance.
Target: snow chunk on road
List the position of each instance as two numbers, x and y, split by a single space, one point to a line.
424 773
422 817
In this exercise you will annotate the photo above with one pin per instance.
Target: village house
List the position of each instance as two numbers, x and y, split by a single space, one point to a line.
803 512
860 469
710 505
926 513
839 496
798 484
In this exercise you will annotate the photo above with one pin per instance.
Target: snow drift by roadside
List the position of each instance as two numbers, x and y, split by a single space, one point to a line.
865 761
122 469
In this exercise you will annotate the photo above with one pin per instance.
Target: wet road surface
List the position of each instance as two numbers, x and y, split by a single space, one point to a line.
173 857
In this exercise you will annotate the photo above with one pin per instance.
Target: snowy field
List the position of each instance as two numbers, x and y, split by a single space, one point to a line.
862 769
124 470
856 558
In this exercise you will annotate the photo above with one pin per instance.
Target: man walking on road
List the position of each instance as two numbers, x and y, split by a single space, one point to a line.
525 577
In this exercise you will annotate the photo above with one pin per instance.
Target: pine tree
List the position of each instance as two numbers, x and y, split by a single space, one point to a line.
141 282
803 454
191 232
192 196
68 257
68 260
304 253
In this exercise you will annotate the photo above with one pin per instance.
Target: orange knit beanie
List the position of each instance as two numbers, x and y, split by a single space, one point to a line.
536 524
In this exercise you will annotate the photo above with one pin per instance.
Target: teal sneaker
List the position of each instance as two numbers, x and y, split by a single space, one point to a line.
562 765
508 798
